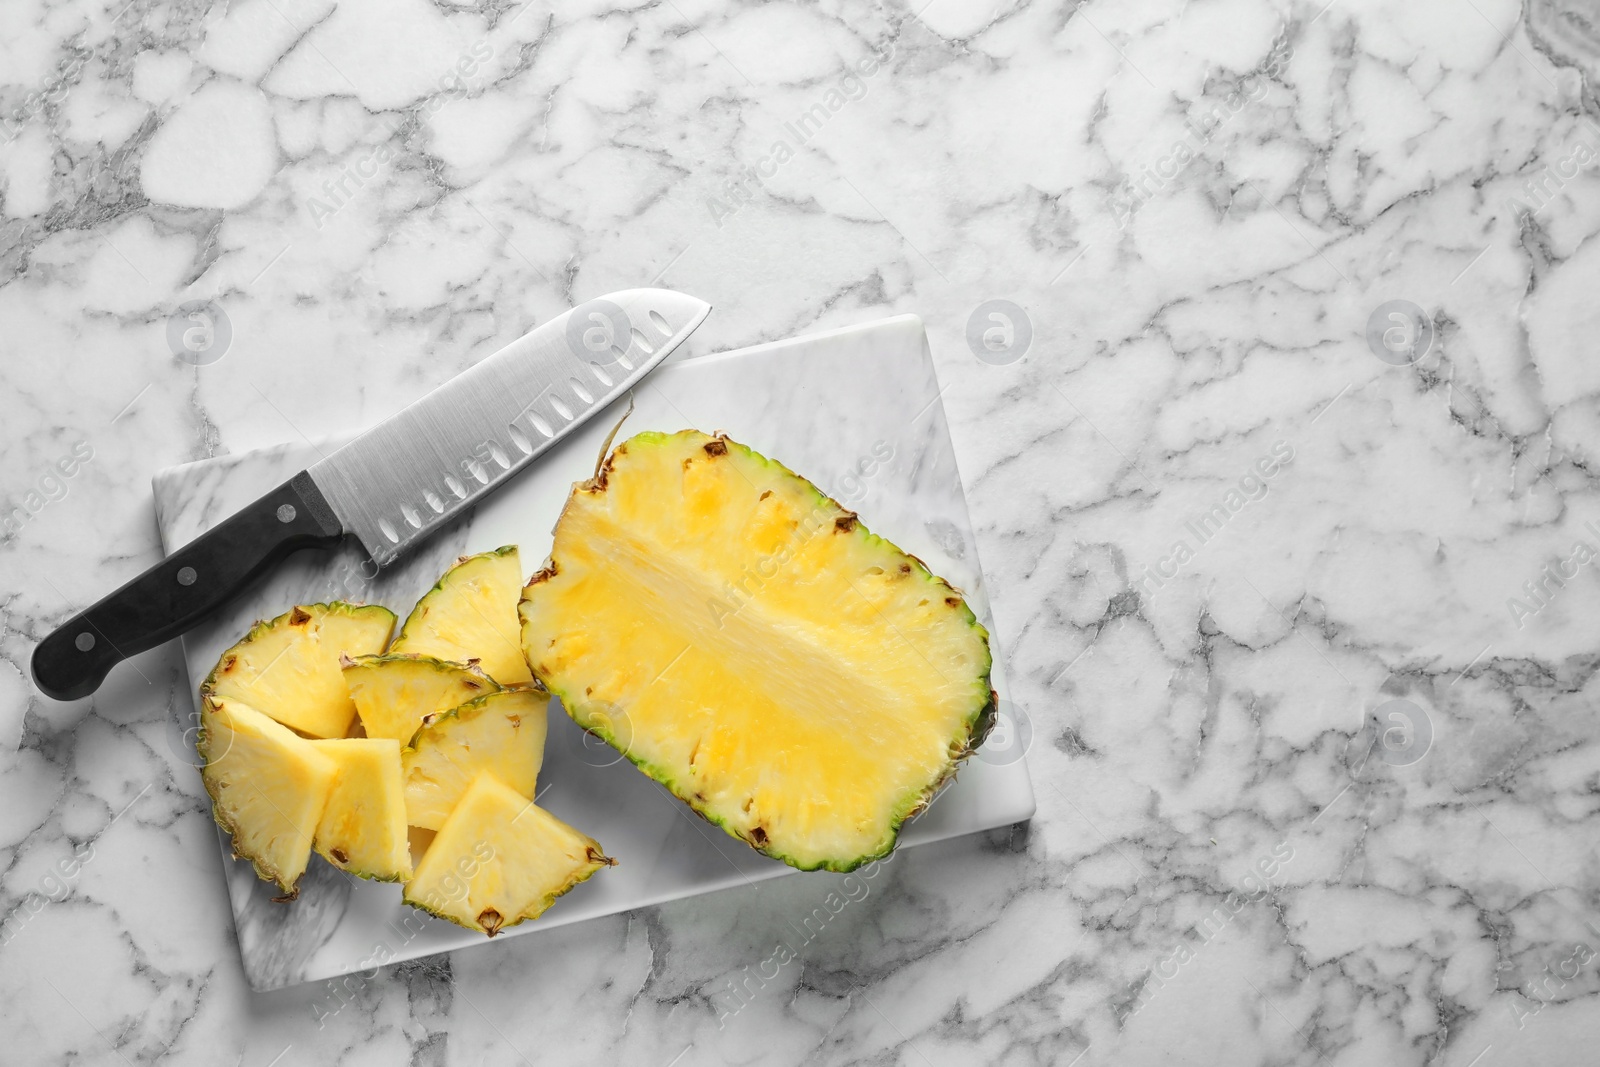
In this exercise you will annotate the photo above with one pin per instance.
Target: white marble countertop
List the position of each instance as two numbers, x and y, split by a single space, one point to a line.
1228 517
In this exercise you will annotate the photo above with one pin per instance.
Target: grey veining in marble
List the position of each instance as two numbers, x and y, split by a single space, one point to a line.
232 226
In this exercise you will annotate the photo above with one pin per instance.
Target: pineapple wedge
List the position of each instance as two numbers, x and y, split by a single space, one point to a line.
472 614
268 787
746 642
499 859
395 692
289 667
363 825
502 732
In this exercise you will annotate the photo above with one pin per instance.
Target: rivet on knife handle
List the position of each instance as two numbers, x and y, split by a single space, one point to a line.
184 588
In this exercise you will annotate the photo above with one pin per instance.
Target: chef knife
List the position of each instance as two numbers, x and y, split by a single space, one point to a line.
395 484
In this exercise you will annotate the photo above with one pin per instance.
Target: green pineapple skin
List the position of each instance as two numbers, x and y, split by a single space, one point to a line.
490 685
978 722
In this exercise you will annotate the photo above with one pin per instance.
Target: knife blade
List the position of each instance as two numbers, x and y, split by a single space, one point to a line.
393 486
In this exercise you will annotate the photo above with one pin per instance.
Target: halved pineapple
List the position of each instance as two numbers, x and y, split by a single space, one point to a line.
502 732
749 644
289 667
395 692
472 613
268 786
500 859
363 825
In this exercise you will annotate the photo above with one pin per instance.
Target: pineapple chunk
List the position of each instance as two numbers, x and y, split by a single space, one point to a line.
289 667
394 693
472 614
268 787
363 826
502 732
749 644
500 859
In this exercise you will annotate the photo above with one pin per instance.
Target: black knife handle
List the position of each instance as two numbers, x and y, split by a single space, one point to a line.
177 593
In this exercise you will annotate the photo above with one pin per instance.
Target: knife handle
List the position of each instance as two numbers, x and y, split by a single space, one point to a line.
180 591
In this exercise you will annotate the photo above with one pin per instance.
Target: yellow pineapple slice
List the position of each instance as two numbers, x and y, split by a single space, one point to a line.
501 732
472 614
500 859
268 787
363 825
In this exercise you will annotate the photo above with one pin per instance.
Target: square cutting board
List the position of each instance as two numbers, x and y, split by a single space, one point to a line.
857 411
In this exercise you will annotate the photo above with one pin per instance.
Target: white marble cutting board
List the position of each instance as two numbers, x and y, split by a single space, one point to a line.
856 410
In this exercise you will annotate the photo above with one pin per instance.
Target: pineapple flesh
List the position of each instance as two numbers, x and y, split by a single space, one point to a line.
268 787
289 667
746 641
502 732
499 859
472 614
394 693
363 824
